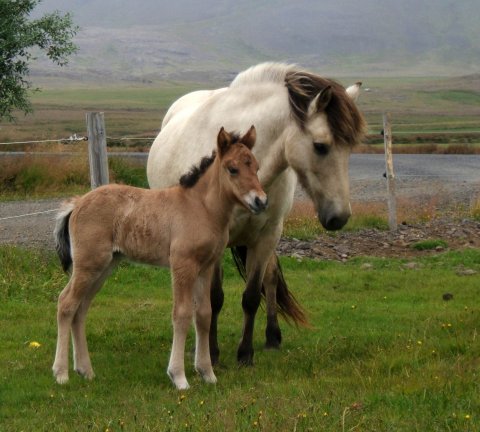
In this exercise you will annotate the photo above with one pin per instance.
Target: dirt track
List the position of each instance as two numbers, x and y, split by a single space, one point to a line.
36 230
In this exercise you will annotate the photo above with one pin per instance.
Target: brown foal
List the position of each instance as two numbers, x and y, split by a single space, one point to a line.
184 227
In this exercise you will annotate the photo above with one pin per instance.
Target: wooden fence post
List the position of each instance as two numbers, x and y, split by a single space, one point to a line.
97 149
392 205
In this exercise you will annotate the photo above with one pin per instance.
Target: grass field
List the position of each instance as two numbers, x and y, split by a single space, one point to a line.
418 105
386 352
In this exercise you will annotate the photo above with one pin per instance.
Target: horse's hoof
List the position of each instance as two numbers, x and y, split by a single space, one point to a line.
272 345
273 336
245 358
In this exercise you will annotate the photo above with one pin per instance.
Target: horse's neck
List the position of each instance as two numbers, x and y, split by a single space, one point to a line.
212 195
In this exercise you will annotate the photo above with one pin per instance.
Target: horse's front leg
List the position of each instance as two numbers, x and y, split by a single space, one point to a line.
184 276
203 317
216 301
257 260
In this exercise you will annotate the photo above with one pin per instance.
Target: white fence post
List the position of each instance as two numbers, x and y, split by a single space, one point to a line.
97 149
392 205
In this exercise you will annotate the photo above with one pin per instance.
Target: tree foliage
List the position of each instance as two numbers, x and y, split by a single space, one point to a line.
20 37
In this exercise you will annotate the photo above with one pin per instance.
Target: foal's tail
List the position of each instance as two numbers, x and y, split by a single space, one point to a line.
62 236
287 305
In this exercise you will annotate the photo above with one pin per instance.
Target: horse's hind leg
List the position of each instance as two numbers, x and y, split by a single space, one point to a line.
273 333
216 300
81 358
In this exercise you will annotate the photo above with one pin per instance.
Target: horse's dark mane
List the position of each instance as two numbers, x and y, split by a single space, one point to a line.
191 178
345 120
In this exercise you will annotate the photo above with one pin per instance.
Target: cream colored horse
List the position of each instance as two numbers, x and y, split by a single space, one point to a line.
306 128
184 227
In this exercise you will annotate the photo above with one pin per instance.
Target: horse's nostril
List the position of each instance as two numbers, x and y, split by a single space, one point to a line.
335 222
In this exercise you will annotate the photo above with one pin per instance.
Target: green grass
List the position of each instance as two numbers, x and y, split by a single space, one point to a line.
429 244
386 353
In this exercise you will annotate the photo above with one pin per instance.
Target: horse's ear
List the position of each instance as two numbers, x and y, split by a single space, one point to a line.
354 90
250 137
224 141
321 100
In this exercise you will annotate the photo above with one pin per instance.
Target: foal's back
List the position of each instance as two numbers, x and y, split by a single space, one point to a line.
141 224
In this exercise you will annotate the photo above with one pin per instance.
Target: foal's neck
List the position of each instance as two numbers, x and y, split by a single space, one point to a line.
210 191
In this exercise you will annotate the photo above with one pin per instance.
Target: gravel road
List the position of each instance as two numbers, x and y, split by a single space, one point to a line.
450 178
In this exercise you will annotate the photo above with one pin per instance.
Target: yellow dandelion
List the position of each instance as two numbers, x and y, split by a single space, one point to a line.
325 414
419 342
467 417
449 325
34 344
201 403
354 306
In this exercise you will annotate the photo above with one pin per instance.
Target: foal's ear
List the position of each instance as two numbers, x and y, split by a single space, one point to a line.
250 137
321 100
224 141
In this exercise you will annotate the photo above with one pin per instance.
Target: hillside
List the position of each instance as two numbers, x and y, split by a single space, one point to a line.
211 40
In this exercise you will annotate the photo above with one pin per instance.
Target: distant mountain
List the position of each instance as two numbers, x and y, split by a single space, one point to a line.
213 39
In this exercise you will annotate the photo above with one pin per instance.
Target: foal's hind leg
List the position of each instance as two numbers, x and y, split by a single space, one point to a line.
68 304
81 358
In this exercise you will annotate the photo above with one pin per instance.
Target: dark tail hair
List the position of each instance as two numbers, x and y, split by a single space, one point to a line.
62 236
287 305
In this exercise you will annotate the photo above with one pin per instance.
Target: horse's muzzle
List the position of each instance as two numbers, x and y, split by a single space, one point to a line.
334 222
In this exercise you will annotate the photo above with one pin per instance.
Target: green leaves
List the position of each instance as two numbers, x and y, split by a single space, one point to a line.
52 34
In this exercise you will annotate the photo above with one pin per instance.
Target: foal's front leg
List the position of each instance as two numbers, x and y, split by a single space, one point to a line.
184 276
203 317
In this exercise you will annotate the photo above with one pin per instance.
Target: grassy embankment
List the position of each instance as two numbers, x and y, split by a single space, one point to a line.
386 352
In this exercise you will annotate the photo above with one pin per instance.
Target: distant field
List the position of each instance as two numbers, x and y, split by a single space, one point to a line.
448 108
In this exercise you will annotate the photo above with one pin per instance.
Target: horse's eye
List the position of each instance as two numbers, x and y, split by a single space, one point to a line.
233 171
321 148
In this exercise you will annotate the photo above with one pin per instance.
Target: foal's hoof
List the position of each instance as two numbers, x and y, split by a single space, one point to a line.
87 374
208 377
180 382
61 378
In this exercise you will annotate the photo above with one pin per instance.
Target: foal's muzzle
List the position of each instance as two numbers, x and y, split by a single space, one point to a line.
258 204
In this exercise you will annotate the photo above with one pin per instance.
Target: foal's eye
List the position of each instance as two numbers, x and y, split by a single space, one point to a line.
321 148
233 171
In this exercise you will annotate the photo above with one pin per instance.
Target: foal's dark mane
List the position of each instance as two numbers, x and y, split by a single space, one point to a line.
191 178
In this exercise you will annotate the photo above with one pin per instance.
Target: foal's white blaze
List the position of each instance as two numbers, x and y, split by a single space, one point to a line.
251 199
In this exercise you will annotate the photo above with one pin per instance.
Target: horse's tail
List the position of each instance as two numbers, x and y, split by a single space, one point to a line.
287 305
62 236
